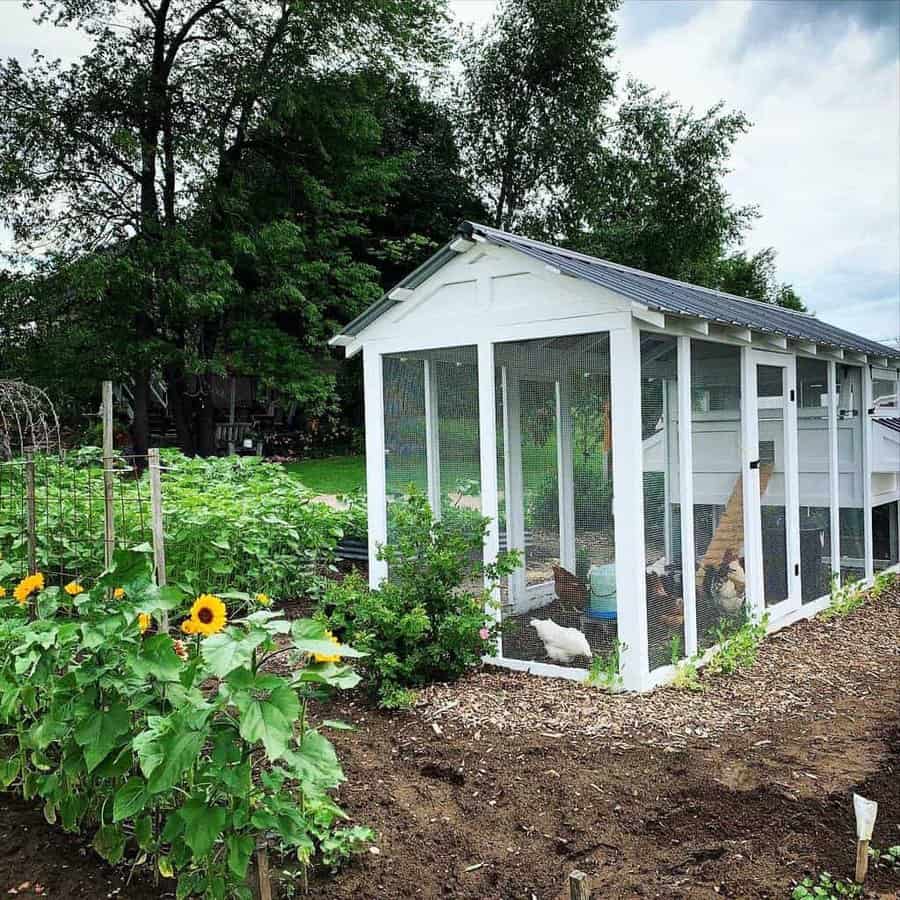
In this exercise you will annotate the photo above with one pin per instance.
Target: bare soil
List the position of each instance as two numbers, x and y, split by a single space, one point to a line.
496 788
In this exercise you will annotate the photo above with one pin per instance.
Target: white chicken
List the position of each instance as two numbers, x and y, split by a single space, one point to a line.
562 644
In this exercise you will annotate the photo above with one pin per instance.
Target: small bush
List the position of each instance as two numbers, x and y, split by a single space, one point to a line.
186 753
430 620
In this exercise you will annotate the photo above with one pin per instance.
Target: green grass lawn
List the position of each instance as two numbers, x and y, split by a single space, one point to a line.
333 475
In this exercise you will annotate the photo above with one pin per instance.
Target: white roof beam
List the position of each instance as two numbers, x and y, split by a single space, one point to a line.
809 347
400 294
650 316
856 357
692 326
772 341
743 335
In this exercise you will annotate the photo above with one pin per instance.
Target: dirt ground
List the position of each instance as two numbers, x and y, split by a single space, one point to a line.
498 787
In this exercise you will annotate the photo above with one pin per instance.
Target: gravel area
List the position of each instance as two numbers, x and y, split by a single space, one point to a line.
802 666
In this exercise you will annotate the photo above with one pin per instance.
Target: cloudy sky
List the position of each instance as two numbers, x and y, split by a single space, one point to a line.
820 80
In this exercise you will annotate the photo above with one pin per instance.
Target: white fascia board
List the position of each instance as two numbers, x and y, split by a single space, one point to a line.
461 244
340 340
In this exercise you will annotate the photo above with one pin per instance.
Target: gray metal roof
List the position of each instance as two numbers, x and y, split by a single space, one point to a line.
663 295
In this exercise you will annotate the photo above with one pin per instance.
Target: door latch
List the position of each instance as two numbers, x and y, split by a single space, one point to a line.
754 463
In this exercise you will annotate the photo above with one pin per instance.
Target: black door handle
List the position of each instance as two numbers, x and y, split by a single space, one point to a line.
754 463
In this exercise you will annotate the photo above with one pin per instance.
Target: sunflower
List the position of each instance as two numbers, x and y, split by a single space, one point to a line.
73 589
263 599
28 586
119 593
208 615
2 592
328 657
144 621
187 627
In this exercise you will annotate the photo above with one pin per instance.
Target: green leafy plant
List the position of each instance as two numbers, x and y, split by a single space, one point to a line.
883 582
431 618
687 677
676 649
886 859
845 598
737 648
186 752
235 523
825 887
605 668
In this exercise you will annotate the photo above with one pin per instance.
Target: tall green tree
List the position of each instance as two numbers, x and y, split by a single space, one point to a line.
132 165
656 198
531 104
754 276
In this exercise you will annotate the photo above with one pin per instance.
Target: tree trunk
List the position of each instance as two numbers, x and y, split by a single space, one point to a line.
140 427
181 409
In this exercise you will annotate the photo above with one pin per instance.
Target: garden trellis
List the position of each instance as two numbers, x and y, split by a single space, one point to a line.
670 460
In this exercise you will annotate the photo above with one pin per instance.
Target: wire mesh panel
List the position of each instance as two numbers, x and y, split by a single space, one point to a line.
886 535
814 459
662 519
885 394
431 430
771 423
851 474
555 440
718 488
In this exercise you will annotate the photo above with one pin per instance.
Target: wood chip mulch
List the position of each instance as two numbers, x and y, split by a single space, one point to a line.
798 669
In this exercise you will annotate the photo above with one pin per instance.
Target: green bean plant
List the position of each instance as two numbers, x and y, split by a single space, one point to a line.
182 752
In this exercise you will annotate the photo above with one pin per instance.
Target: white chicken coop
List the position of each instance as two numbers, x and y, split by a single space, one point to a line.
667 458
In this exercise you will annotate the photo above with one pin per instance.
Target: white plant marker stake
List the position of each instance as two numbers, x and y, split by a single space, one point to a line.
866 811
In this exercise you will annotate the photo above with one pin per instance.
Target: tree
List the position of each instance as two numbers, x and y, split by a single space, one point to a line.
137 157
531 101
655 199
754 277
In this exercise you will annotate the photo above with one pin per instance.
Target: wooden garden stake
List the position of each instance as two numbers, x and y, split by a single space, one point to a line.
578 886
30 511
865 811
262 871
156 526
109 528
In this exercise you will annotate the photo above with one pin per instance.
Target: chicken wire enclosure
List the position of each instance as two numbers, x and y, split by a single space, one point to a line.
431 438
814 410
718 502
662 509
851 473
747 451
554 442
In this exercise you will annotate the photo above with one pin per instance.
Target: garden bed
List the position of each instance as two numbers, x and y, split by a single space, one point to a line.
500 785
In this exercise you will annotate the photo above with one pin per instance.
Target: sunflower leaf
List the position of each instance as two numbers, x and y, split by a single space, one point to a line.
229 650
269 721
202 825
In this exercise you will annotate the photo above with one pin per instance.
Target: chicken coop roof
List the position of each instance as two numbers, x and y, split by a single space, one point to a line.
664 295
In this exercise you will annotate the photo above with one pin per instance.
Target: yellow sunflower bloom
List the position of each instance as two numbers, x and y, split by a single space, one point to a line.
144 621
119 593
208 615
2 592
328 657
263 599
187 627
73 589
28 586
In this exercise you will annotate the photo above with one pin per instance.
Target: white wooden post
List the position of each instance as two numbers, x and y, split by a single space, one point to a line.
686 495
432 440
487 431
376 488
565 470
513 487
756 596
865 424
834 475
156 525
628 506
792 483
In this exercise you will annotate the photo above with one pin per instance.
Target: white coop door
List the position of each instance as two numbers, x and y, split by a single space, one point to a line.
774 474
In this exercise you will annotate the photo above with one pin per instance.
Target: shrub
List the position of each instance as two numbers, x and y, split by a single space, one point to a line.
184 753
429 621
